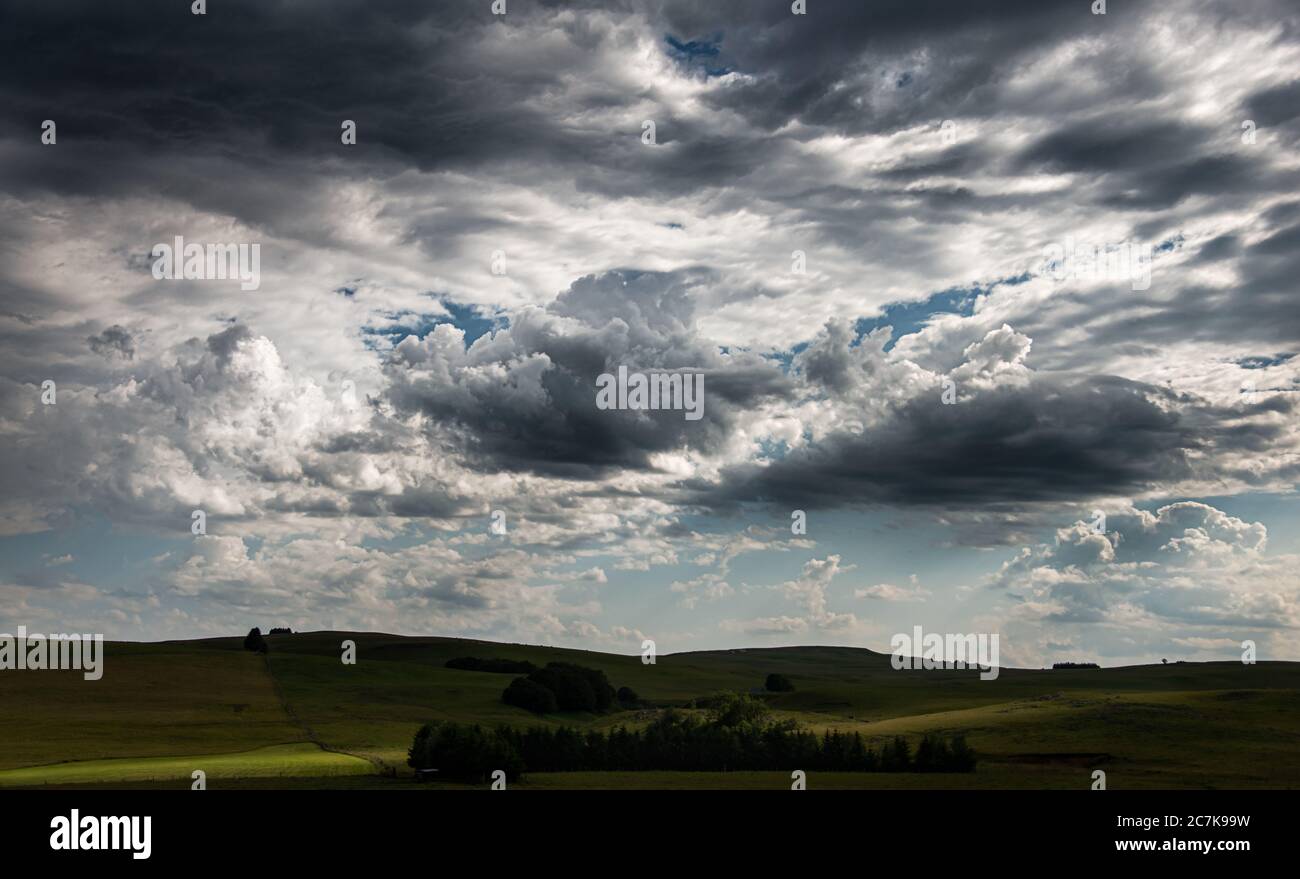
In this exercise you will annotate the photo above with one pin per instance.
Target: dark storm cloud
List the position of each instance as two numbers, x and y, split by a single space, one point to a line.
1060 439
962 160
142 91
816 68
1145 163
130 86
524 399
1220 248
154 73
1086 146
1276 106
295 71
152 99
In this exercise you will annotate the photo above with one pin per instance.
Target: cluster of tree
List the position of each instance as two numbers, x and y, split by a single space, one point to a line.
530 696
736 736
1075 665
281 631
500 666
778 684
461 752
561 686
254 641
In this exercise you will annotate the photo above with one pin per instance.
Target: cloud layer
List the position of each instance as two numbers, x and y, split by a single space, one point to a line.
843 222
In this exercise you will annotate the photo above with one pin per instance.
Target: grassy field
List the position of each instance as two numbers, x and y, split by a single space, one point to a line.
250 721
275 761
157 700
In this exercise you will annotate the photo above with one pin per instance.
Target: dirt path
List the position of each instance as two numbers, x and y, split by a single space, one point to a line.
381 768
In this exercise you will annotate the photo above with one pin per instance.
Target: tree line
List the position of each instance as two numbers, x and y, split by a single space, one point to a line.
736 736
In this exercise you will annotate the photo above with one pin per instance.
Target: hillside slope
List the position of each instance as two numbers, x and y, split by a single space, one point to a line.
1190 725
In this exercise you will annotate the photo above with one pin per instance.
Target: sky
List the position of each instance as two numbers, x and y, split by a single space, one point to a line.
873 228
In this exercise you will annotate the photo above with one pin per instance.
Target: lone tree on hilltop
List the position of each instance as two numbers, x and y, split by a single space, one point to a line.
254 641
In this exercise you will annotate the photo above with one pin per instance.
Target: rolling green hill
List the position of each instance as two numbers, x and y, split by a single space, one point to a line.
300 717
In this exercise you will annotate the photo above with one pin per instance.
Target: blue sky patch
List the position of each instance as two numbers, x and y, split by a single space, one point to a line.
696 53
1263 362
911 317
466 318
